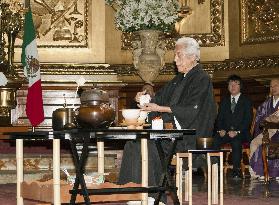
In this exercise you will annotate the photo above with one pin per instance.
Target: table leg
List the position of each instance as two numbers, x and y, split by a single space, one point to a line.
214 184
101 157
144 158
209 179
19 170
75 159
190 160
221 178
167 180
179 176
56 171
265 163
79 162
265 142
186 184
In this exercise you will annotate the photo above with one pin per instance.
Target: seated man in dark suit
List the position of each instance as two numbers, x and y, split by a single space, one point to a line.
233 122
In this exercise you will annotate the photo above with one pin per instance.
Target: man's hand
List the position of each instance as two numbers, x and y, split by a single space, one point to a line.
138 95
232 134
153 107
273 118
222 133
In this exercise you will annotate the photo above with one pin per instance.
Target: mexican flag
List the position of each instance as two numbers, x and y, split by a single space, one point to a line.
30 61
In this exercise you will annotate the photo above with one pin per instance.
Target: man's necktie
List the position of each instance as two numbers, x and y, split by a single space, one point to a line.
233 104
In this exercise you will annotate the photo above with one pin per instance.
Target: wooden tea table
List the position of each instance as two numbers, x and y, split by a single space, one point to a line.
85 137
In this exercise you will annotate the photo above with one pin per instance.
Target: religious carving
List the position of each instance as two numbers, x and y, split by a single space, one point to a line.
184 8
260 21
214 38
60 23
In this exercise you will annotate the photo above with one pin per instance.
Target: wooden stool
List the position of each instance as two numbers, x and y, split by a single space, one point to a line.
188 177
243 166
212 176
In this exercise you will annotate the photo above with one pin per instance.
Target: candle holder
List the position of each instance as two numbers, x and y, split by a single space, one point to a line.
11 24
11 21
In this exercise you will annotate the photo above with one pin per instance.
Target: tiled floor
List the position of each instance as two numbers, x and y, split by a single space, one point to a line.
242 192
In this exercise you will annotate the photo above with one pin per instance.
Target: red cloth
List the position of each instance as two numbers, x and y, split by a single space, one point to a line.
34 104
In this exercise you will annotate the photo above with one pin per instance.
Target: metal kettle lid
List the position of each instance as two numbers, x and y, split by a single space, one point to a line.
60 109
64 108
94 94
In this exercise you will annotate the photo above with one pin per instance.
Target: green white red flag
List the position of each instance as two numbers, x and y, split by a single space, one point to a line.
30 61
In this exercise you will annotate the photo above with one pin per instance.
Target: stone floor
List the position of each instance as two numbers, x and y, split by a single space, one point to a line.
242 192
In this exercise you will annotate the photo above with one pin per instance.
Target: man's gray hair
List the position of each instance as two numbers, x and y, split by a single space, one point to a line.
274 79
191 46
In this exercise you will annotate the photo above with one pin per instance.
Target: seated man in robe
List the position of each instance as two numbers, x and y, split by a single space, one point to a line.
267 110
187 101
233 122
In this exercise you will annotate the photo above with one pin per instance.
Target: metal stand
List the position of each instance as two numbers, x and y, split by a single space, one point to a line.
166 182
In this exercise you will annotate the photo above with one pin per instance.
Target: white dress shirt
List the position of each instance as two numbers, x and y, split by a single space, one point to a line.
275 101
235 97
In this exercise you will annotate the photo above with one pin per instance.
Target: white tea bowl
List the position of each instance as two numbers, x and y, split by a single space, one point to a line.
131 114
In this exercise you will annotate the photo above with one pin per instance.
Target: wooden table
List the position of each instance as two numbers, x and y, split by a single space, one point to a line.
84 137
212 176
19 155
37 135
100 136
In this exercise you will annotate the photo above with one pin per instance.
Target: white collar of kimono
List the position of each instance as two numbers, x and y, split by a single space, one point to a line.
275 101
235 97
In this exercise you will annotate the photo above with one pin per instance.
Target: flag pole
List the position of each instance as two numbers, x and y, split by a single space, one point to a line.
27 6
30 61
27 3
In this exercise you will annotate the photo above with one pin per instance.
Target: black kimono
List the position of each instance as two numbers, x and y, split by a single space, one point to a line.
192 102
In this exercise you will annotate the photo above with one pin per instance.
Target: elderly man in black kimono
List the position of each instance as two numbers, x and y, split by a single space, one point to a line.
187 101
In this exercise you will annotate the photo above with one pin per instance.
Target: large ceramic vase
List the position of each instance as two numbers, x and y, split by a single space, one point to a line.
148 54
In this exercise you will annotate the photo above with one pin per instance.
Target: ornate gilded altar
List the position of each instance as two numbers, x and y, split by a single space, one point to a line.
11 19
79 38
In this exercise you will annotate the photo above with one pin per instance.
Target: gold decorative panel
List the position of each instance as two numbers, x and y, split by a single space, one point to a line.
215 36
260 21
60 23
73 69
263 63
